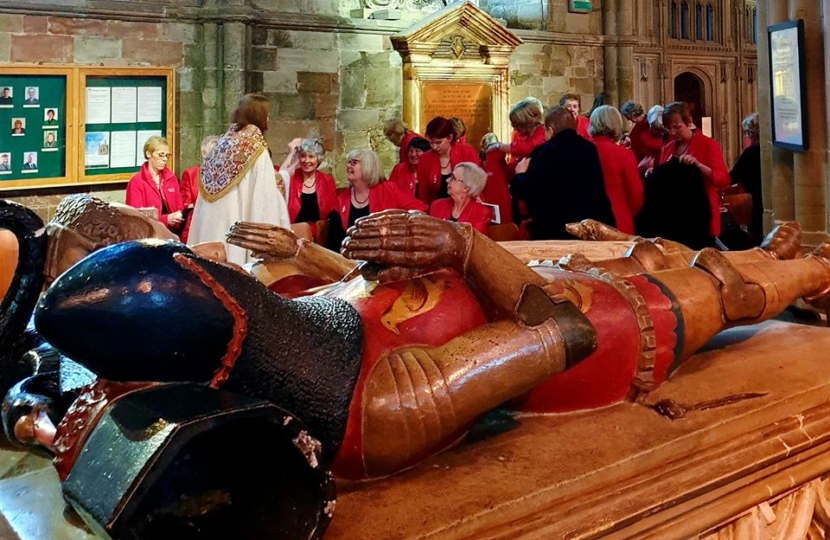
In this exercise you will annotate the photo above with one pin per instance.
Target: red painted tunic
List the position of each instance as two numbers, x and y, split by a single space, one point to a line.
449 311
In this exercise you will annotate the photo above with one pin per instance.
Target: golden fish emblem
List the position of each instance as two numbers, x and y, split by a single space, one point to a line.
420 296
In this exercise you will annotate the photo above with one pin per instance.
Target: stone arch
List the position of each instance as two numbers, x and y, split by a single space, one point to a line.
694 86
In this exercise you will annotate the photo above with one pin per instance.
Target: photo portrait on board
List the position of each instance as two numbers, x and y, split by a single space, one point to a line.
50 118
18 127
29 161
5 162
50 140
6 97
32 96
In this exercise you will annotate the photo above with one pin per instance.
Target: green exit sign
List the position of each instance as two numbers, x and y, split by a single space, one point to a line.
579 6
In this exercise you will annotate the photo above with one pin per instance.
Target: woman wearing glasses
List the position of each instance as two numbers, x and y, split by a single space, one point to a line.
368 193
465 184
154 185
435 166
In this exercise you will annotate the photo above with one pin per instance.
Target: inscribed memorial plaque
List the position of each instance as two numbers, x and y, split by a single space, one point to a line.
472 102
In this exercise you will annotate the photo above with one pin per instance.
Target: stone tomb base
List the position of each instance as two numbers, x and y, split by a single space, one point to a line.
620 472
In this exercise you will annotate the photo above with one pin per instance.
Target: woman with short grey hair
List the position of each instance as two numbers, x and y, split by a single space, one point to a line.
648 137
619 168
311 193
606 121
465 184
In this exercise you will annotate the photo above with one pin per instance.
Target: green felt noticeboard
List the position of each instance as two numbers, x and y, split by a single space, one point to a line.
137 111
53 130
32 145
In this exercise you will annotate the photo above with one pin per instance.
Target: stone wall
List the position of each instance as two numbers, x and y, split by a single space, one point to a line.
327 75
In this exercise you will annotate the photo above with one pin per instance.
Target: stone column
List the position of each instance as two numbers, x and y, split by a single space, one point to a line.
625 51
810 166
609 23
776 163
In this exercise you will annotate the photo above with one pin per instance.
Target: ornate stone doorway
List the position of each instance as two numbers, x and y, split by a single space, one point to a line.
689 87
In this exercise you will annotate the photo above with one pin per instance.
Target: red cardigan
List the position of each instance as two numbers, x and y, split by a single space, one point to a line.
622 181
404 177
475 213
582 126
521 145
708 152
429 169
383 196
496 189
644 143
189 189
142 193
326 195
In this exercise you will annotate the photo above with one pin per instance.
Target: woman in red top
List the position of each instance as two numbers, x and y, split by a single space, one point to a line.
573 103
619 168
694 148
154 185
368 192
435 167
647 136
400 135
311 193
405 174
526 117
466 183
189 185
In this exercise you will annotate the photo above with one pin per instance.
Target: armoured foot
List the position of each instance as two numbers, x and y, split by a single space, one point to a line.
784 241
821 300
741 299
593 230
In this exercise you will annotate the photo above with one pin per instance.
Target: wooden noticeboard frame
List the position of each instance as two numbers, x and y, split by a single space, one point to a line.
59 144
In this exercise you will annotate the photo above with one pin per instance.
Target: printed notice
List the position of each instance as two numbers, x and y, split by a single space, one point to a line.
124 105
141 138
122 149
97 105
149 104
96 150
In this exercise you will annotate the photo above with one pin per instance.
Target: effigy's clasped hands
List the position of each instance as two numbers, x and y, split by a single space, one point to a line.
407 244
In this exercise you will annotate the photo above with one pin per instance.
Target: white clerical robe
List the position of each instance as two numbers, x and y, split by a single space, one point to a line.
255 198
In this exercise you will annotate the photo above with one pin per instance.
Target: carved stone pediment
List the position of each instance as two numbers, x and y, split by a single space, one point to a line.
460 31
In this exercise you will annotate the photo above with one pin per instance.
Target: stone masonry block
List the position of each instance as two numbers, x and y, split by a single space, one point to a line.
26 48
259 36
11 23
279 81
134 30
263 59
34 24
299 60
76 27
194 55
5 47
312 40
352 88
325 107
358 119
318 83
293 106
184 79
386 87
280 38
90 50
185 33
360 42
156 53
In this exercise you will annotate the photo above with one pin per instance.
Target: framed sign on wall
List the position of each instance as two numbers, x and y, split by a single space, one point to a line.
580 6
787 82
